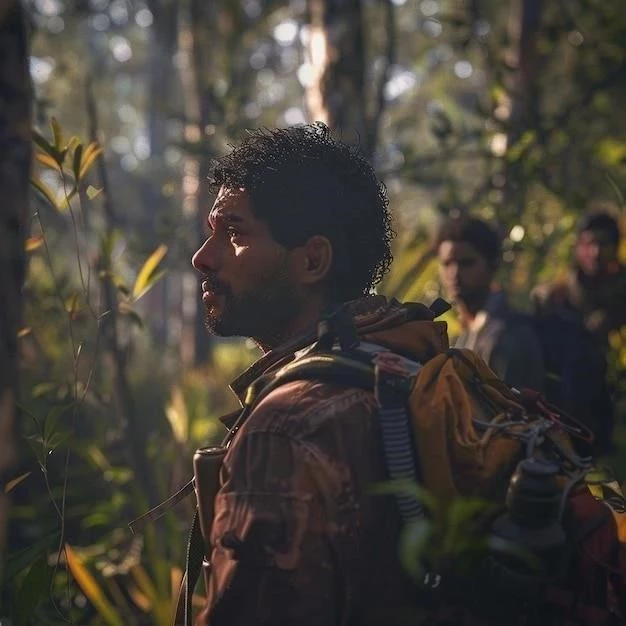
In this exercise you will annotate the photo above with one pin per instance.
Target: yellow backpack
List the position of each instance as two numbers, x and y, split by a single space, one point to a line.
450 424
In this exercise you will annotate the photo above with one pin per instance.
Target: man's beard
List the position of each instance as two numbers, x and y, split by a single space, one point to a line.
264 313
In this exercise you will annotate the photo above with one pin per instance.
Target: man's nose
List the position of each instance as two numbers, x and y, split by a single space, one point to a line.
206 259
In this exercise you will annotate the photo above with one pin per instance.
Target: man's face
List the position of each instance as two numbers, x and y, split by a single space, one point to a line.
248 288
465 273
594 252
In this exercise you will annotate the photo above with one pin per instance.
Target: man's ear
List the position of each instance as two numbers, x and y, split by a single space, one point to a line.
316 260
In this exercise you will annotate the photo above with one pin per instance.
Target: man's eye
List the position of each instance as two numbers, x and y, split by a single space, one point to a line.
232 232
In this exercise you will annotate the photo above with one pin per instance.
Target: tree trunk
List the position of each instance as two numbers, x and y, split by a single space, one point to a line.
15 161
524 25
335 51
203 18
162 92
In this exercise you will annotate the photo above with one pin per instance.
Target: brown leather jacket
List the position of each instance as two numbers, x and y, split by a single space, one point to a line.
298 536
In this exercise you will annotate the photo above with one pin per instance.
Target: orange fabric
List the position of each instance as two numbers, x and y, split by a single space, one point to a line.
454 459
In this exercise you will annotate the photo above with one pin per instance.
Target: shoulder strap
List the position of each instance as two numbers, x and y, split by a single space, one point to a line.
390 377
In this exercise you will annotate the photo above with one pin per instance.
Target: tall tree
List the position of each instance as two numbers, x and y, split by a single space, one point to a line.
337 90
336 54
15 158
524 59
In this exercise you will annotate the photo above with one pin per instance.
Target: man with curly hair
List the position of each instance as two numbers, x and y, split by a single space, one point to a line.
300 225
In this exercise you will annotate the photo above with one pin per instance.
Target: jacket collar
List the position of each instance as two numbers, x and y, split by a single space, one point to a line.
376 319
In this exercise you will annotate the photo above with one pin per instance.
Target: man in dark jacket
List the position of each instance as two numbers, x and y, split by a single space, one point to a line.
469 256
593 301
595 291
299 225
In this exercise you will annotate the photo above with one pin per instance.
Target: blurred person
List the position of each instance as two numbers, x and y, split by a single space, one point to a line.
577 316
469 252
595 291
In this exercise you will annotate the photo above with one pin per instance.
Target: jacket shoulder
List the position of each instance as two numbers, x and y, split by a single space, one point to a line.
303 408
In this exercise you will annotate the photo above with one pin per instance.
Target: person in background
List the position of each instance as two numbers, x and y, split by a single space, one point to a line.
469 252
577 317
595 291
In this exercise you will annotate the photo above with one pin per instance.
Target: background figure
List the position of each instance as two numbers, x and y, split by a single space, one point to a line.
578 316
595 291
469 256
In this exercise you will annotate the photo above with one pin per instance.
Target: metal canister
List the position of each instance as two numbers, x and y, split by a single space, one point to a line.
207 463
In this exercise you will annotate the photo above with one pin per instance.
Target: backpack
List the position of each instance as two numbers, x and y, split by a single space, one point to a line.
452 426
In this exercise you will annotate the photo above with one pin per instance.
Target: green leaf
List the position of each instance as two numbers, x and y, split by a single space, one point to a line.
133 316
12 484
33 243
521 145
63 203
47 160
57 439
33 590
45 191
51 421
42 389
92 152
73 143
78 155
19 561
57 133
159 605
48 148
99 518
92 590
93 192
118 475
72 306
413 545
406 488
460 524
146 277
37 448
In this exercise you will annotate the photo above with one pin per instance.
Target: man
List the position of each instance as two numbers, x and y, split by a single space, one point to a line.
469 256
592 302
595 291
301 224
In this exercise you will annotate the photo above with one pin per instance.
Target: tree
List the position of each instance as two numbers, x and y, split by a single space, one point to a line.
15 156
336 88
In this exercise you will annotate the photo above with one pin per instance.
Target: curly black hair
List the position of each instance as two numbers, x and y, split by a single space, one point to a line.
475 232
303 182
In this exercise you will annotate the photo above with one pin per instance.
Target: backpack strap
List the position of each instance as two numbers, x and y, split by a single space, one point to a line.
392 391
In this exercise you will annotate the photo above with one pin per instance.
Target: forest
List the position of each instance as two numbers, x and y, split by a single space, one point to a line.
110 114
